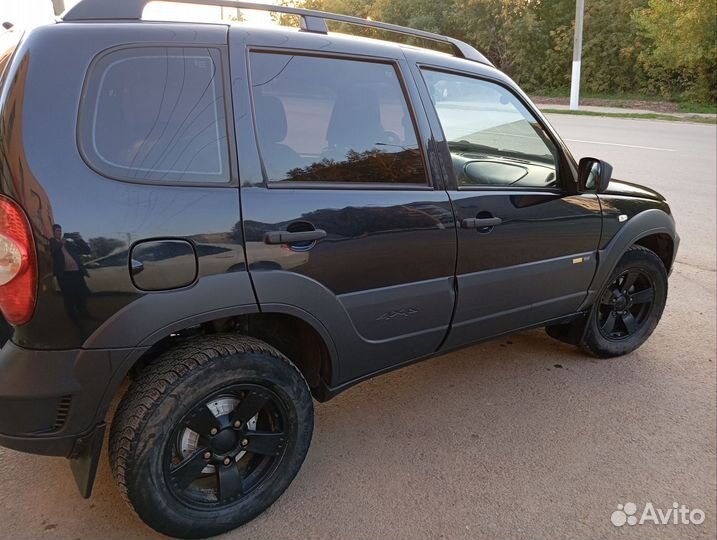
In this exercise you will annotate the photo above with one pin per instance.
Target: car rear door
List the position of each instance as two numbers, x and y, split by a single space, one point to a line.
344 222
526 240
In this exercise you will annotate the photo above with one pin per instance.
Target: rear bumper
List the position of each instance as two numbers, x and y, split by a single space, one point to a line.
50 399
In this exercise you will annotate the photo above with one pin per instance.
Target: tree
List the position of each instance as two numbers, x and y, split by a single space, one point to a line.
492 25
541 44
652 46
427 15
681 55
611 47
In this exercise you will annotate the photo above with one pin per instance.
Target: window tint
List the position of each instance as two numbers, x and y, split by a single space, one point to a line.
332 120
493 138
156 114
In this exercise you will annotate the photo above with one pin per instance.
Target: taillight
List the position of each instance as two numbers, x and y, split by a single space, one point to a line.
18 267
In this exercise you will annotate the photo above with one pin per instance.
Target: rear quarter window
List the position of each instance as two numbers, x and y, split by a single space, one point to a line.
156 114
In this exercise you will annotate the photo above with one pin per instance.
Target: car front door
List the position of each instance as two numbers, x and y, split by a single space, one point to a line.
342 218
526 239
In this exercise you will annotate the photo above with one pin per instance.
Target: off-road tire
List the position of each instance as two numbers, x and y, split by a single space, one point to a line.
161 396
646 262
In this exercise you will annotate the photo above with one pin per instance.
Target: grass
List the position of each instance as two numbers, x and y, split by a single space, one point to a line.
689 107
631 96
644 116
682 105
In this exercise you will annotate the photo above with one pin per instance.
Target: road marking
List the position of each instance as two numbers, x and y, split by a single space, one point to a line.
623 145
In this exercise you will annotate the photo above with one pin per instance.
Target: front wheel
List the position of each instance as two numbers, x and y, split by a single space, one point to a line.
210 435
629 306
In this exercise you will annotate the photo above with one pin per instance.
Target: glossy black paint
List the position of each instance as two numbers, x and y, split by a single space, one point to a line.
524 270
5 331
628 199
55 186
389 251
394 278
530 268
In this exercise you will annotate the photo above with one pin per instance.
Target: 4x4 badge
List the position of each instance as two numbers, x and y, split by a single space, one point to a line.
405 312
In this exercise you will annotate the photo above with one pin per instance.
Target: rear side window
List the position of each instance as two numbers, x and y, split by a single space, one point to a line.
333 120
156 114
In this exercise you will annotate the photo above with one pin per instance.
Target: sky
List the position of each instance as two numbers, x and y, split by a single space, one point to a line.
28 13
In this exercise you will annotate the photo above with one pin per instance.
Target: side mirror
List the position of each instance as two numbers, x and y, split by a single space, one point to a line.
593 175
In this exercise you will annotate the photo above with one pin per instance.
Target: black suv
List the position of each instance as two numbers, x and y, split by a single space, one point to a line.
237 219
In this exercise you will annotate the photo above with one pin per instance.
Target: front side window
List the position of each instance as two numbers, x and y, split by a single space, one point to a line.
333 120
493 139
156 114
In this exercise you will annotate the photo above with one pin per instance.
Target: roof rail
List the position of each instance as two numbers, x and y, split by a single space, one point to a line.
311 20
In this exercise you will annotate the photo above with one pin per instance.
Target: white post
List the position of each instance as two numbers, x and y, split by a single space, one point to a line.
577 54
58 6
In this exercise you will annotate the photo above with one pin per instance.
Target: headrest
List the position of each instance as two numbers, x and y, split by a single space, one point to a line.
270 118
356 118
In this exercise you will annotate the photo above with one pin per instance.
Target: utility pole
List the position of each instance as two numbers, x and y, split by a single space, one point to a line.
128 235
58 6
577 54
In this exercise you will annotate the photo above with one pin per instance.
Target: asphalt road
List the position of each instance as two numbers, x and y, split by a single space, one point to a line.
522 437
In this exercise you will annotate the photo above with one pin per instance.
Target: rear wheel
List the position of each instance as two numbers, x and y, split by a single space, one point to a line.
210 435
629 306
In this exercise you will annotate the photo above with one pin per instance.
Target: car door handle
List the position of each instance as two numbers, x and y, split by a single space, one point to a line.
477 223
286 237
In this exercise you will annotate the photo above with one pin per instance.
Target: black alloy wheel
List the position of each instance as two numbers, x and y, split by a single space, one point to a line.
626 304
226 446
628 308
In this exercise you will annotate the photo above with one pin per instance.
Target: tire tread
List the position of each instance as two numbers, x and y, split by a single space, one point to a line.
159 376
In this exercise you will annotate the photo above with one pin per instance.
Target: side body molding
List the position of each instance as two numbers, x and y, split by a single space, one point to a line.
646 223
362 351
